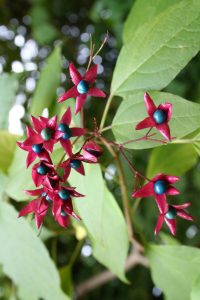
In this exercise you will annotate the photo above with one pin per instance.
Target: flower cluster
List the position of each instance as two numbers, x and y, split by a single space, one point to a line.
53 191
161 185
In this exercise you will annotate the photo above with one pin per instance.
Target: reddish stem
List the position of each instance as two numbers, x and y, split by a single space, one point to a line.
146 137
131 165
121 150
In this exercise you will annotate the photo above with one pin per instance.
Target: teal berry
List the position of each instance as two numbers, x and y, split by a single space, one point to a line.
65 129
37 148
160 187
159 116
83 87
42 170
75 163
171 214
48 199
46 134
64 194
63 213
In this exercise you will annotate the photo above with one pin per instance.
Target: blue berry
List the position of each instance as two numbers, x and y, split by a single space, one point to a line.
37 148
75 163
83 87
171 214
65 129
160 187
48 199
63 213
159 116
42 170
46 134
64 194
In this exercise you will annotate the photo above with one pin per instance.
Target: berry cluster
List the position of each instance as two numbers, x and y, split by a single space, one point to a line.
161 184
53 190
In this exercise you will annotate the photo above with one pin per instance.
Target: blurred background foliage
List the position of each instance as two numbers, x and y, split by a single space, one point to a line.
30 31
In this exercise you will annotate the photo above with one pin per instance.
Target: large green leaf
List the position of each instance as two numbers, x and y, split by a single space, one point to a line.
172 159
25 259
156 53
195 294
8 88
174 269
185 118
7 149
19 178
49 80
102 219
143 12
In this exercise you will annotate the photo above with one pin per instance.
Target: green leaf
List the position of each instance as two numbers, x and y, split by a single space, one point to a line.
8 88
195 294
174 269
98 211
168 239
156 53
43 31
3 182
197 148
19 178
196 143
25 259
185 118
47 84
143 12
7 149
180 158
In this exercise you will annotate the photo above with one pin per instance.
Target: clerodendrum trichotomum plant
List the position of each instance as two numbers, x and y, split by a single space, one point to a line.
72 152
52 181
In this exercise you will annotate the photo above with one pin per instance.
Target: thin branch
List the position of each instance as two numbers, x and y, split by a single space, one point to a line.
102 278
102 45
125 200
137 173
92 55
105 128
91 52
76 253
108 104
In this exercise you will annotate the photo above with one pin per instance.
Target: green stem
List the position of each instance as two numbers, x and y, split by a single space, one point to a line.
54 250
106 111
76 252
106 128
125 200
